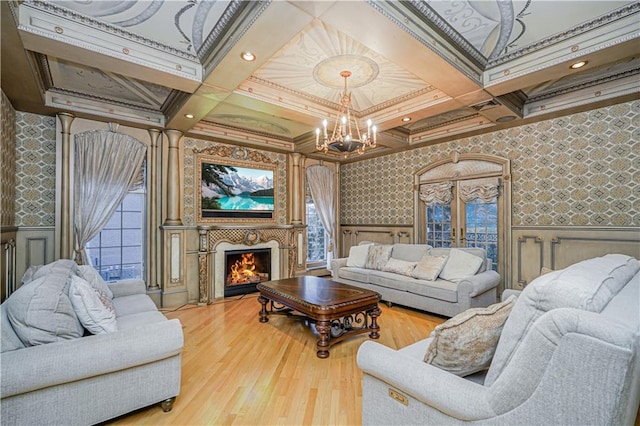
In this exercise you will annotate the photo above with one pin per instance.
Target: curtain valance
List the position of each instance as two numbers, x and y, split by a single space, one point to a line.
485 189
436 193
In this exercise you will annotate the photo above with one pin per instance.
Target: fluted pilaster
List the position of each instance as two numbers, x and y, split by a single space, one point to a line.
152 212
173 178
297 195
66 208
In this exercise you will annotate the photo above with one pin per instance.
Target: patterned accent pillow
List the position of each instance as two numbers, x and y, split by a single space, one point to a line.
378 256
86 302
429 267
90 275
398 266
466 343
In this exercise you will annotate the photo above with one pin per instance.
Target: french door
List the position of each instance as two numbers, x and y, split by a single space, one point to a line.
464 220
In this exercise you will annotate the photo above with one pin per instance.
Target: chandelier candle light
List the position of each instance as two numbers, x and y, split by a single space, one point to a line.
342 138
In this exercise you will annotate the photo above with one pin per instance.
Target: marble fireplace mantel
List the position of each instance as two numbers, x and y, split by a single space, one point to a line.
286 242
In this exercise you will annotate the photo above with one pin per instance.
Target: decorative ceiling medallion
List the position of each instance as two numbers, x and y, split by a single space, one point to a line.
363 71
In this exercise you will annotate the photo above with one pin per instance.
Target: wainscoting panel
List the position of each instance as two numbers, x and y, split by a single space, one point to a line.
559 247
34 246
352 235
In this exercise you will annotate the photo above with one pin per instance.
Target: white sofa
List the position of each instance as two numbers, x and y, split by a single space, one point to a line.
439 296
55 372
568 354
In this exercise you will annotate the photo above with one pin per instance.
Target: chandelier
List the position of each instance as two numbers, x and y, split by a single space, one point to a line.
342 139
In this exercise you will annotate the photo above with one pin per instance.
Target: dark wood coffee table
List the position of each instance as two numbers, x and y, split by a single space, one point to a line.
337 310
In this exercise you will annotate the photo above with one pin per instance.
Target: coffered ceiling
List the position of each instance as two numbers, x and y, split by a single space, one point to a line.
452 67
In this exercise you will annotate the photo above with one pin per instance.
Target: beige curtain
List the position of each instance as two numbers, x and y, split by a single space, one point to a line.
321 180
436 193
107 166
486 189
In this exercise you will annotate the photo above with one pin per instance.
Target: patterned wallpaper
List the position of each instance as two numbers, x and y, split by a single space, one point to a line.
35 169
190 184
7 163
577 170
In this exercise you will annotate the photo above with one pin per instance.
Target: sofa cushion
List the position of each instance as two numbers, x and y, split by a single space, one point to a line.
41 312
135 303
378 256
409 252
429 267
360 275
358 255
439 289
588 285
90 275
465 344
460 264
128 322
91 311
398 266
390 280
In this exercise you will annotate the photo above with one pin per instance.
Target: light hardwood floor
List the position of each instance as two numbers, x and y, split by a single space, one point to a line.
238 371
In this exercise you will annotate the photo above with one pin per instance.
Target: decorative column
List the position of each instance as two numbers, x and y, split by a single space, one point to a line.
203 266
296 185
66 209
173 179
153 260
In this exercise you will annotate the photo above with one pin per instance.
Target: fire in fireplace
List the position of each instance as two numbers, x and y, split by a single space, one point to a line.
246 268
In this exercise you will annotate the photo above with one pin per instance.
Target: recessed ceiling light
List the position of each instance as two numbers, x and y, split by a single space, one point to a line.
248 56
405 119
578 65
189 115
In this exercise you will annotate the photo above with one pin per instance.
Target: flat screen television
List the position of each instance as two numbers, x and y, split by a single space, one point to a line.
231 191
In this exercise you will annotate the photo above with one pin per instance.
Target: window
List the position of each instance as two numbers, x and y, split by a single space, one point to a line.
117 252
316 236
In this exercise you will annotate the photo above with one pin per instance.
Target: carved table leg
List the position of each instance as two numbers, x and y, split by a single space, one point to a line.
324 328
263 312
375 328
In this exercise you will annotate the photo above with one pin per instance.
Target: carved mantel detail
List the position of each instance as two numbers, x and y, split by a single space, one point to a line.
249 235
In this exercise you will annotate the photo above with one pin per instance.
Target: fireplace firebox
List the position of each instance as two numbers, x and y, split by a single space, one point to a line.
244 269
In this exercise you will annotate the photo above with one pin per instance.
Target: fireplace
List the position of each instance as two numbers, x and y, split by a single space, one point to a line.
244 269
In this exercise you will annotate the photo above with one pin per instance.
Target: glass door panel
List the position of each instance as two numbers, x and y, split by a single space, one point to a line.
439 225
481 228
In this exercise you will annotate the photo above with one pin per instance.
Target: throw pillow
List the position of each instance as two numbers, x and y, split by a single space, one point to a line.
429 267
460 265
398 266
41 312
465 344
93 314
378 256
358 255
90 275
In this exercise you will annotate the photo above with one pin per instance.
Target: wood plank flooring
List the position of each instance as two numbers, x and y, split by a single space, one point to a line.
238 371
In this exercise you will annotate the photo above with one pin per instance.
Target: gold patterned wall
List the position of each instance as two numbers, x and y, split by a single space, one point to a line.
577 170
7 163
190 177
35 170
